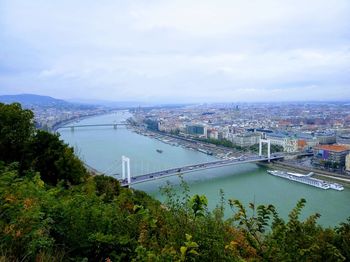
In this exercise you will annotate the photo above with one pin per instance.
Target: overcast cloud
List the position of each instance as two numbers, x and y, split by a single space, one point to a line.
176 51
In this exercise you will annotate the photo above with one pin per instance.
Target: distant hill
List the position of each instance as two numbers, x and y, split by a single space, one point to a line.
30 100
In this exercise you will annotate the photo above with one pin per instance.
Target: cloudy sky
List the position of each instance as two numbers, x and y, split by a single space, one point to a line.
176 51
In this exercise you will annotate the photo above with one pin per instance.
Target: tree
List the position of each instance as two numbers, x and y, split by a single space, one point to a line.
54 160
343 238
107 187
16 128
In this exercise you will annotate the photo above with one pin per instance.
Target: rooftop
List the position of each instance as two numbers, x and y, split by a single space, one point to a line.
336 148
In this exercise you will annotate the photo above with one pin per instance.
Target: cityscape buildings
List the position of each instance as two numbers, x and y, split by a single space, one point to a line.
292 127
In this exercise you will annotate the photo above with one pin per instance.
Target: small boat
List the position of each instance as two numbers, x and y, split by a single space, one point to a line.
159 151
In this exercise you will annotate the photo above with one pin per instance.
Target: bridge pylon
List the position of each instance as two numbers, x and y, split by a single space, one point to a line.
268 142
126 167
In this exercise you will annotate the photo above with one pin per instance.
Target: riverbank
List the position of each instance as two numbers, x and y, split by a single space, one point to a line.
345 180
219 152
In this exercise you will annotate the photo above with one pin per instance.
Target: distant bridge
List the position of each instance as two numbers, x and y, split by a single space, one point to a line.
128 180
114 125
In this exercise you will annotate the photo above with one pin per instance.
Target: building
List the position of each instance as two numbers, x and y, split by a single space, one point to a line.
326 138
344 138
330 156
347 164
289 144
246 140
302 145
293 141
213 134
197 130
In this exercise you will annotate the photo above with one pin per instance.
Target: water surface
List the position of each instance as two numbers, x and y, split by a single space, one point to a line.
102 148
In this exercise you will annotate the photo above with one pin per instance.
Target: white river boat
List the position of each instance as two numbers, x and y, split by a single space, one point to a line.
306 179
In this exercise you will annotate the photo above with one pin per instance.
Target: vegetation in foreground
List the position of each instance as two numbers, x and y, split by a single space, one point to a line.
53 210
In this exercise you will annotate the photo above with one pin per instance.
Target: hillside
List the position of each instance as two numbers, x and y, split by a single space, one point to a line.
32 101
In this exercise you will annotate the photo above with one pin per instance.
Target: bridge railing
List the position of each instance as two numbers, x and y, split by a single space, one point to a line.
196 167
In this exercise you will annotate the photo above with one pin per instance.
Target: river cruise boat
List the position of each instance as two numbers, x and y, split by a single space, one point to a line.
306 179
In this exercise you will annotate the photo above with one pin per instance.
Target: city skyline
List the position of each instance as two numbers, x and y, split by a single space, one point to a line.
179 51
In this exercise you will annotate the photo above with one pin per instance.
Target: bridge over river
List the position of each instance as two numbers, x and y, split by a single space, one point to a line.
114 125
128 180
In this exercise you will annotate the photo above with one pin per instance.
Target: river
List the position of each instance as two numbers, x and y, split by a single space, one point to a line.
102 148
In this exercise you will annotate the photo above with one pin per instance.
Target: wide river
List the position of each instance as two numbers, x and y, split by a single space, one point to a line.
102 148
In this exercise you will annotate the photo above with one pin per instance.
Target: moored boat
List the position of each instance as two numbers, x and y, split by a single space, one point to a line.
306 179
336 186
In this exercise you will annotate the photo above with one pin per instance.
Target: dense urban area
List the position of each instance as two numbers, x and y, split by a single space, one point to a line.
320 131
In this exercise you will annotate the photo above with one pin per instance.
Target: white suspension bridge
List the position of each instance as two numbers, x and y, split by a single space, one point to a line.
128 180
114 125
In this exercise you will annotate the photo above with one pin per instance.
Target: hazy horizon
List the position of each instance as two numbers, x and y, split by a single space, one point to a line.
177 52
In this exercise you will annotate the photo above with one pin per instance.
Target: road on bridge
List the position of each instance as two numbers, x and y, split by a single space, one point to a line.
93 125
195 167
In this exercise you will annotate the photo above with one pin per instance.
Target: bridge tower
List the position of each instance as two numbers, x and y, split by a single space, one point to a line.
268 142
115 126
126 166
72 128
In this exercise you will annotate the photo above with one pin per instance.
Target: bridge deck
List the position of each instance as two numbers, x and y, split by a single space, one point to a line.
193 168
93 125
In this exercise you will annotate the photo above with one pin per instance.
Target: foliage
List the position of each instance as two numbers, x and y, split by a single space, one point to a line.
188 251
294 240
342 238
16 127
107 187
98 219
54 160
230 144
36 150
199 204
24 225
221 142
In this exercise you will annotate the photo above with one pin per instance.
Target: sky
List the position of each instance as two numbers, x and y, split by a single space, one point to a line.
176 51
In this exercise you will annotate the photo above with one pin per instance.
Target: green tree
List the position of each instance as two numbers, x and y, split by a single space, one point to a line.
107 187
343 238
24 226
54 160
16 128
297 240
